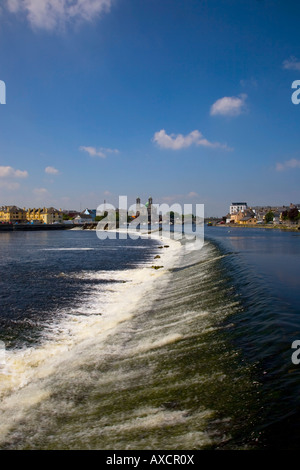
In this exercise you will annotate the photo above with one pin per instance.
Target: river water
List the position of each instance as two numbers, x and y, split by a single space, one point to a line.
101 351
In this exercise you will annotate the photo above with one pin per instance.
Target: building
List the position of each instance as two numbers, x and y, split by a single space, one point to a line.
227 218
52 216
44 216
236 217
248 220
148 205
85 217
91 212
34 216
243 217
12 215
240 213
238 207
277 217
145 210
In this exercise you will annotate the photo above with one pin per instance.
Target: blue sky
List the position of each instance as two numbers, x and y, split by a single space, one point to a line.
186 101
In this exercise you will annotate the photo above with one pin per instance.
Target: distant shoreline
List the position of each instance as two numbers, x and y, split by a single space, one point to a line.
38 227
296 228
31 227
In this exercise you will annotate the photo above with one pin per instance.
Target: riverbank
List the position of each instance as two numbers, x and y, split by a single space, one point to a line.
289 228
31 227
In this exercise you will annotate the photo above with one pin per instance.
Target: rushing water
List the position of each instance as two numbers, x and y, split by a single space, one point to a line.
104 352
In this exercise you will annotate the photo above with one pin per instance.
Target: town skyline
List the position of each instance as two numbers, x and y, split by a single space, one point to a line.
16 214
191 104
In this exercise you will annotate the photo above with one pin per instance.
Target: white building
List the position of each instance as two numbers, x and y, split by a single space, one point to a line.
238 207
83 219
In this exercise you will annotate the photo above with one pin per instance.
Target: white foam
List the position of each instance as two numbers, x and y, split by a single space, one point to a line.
66 249
77 332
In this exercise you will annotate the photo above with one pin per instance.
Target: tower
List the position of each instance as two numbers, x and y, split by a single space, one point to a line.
138 206
149 205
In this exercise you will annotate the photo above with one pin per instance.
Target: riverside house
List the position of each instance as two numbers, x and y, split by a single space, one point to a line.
15 215
84 217
243 217
45 216
12 215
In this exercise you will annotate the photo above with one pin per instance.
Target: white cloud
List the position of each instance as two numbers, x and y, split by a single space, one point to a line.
93 152
110 150
40 192
291 64
9 172
50 170
193 194
229 106
179 141
293 163
51 14
101 152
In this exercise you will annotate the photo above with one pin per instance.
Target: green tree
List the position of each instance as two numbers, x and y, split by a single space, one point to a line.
269 217
98 218
293 214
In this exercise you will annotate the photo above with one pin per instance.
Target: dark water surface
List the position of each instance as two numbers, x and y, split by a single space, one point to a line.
265 268
40 275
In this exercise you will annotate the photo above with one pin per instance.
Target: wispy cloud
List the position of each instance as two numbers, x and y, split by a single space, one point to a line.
10 185
193 194
9 172
291 64
8 176
40 192
53 14
179 141
50 170
229 106
100 152
293 163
